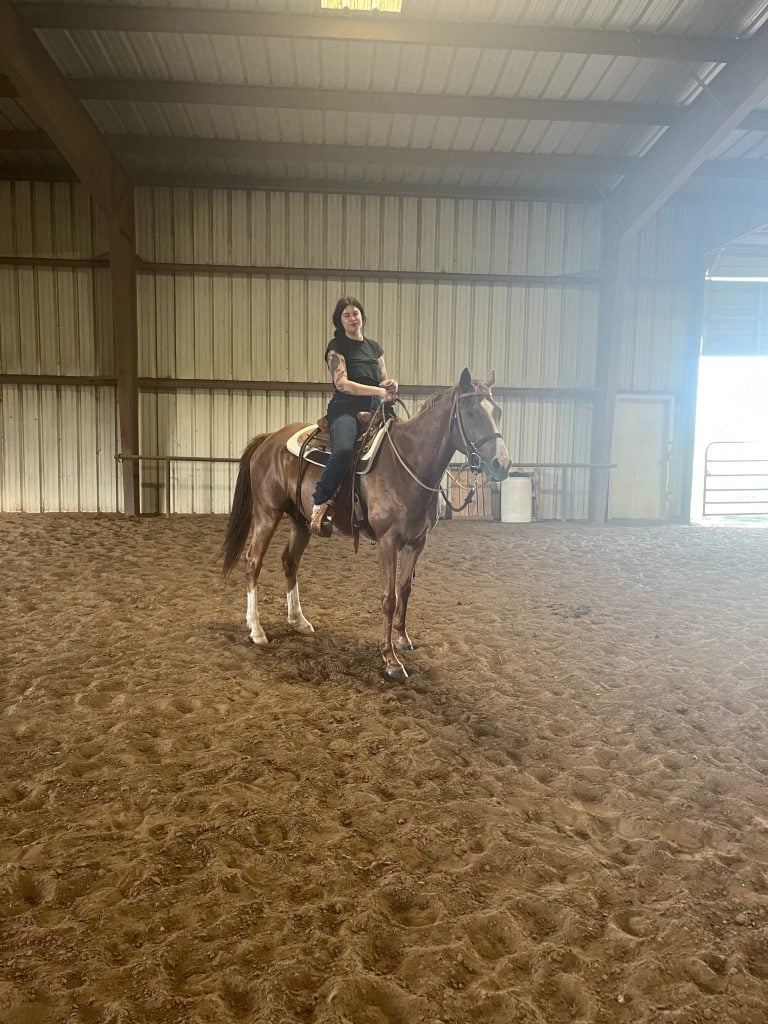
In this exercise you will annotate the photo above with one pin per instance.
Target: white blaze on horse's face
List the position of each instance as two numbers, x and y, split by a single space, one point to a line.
501 455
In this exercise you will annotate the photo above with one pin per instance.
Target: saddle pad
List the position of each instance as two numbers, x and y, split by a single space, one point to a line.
320 458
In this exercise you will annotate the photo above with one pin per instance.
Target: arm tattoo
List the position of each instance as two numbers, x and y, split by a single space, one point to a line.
338 366
382 369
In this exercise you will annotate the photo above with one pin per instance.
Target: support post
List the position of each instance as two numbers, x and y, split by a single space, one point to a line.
685 427
610 327
122 267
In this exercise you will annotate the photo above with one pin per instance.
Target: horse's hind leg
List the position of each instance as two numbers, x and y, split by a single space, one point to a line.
292 553
264 525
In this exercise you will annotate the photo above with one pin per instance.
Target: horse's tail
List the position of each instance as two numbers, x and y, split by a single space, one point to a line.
241 513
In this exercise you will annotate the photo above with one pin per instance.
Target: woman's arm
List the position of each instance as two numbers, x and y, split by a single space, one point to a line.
389 385
337 364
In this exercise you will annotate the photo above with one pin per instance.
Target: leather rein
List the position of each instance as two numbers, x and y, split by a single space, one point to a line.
472 451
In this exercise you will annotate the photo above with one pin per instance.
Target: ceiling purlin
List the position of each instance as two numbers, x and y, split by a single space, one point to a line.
489 35
504 108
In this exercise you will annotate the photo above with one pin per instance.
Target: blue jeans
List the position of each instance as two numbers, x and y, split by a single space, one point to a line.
343 435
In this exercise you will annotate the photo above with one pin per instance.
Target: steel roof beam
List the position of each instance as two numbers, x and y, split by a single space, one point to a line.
287 152
383 29
504 108
22 172
682 149
45 96
244 149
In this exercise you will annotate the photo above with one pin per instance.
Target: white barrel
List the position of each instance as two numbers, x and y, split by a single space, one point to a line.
516 499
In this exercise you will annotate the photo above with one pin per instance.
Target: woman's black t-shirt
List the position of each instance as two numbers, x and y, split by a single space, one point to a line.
362 359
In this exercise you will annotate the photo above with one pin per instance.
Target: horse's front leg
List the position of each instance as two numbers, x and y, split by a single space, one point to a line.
292 553
408 557
388 552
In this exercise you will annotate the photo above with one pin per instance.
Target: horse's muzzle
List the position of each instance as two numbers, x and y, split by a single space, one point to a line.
498 469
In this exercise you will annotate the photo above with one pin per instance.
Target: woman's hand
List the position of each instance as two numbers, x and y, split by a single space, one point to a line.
390 389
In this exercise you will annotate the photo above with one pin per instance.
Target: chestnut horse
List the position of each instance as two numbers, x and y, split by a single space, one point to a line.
399 494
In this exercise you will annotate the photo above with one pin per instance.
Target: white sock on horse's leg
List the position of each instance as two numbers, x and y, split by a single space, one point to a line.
295 614
252 619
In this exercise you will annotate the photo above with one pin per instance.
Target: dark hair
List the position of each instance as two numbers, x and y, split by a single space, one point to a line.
341 305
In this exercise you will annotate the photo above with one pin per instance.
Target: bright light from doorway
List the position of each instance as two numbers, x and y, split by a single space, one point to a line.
730 406
384 6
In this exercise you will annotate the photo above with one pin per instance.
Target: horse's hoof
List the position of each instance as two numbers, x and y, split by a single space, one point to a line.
260 641
404 647
396 672
305 628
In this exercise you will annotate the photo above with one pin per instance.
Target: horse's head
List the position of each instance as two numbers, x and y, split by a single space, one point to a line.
477 419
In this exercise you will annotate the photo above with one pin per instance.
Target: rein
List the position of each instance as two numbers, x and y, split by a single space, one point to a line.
472 452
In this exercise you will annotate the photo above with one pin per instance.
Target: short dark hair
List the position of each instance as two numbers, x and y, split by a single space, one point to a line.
341 305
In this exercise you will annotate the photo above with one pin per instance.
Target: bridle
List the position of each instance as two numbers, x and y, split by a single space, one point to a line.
471 448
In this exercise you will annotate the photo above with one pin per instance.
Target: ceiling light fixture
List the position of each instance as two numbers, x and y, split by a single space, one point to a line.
384 6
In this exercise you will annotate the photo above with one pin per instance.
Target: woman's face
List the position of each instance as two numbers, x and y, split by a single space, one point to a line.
352 320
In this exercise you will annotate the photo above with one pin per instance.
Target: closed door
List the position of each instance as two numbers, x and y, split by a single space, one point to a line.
641 439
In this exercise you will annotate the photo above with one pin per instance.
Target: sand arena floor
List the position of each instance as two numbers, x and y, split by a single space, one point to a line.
562 816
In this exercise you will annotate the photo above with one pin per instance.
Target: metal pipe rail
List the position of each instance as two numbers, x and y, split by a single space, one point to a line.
739 505
564 491
167 460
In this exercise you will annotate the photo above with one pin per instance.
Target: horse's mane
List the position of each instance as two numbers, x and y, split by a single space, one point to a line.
438 395
434 399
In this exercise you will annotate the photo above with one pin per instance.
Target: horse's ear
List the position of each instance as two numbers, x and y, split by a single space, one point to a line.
465 381
491 379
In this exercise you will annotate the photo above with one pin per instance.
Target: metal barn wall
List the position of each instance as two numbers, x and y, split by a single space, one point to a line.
453 304
273 325
659 348
57 441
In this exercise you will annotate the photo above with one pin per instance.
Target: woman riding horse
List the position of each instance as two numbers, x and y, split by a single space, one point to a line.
399 494
360 383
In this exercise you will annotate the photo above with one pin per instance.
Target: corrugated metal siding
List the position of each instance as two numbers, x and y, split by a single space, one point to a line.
658 299
275 327
58 441
58 449
736 319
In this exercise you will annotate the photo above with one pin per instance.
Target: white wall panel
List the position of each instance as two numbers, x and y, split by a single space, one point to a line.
50 219
58 449
52 321
209 424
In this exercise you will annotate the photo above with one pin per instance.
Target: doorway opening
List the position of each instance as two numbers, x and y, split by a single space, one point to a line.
730 459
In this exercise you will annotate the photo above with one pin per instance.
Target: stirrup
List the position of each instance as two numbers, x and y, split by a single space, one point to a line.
320 523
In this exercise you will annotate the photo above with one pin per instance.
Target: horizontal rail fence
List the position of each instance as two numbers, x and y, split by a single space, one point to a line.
559 488
165 462
736 478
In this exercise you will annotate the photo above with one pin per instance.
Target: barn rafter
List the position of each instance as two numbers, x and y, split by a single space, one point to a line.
682 150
